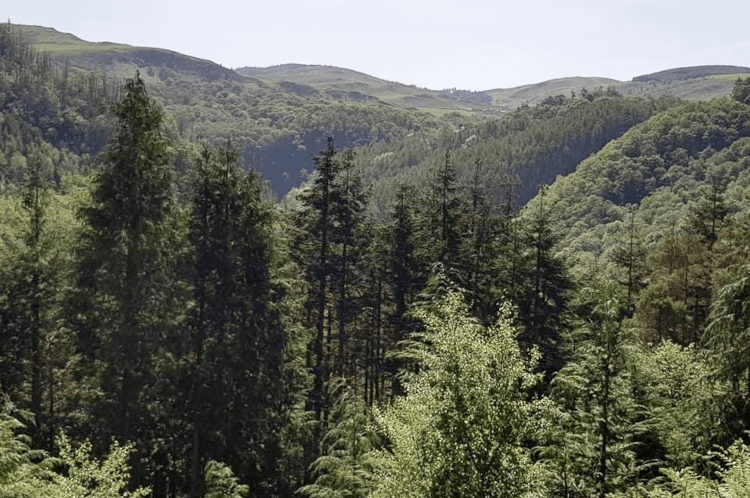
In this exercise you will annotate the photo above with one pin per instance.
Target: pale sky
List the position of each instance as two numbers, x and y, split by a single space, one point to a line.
437 44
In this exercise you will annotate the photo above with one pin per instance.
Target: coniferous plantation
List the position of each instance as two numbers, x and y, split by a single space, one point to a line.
549 302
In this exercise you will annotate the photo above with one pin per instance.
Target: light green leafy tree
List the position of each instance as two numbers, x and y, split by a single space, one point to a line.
222 483
86 477
29 473
677 388
460 429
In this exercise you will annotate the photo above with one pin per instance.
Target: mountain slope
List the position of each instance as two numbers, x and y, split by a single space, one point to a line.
530 94
536 144
118 58
280 116
659 165
686 73
336 82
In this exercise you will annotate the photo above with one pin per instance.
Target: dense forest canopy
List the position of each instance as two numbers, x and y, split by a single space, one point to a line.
548 302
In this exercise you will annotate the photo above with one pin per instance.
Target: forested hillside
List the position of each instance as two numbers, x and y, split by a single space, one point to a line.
531 147
405 324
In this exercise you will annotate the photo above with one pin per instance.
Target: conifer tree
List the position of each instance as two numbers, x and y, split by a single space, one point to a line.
592 445
126 305
543 298
441 216
314 254
349 241
35 264
630 255
240 398
347 466
407 272
332 240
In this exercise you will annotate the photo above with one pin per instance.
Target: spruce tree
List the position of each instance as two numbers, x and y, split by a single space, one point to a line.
331 243
126 305
542 299
592 443
313 251
240 399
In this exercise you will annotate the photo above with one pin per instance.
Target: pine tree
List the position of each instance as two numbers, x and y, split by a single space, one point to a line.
240 398
349 241
332 241
314 254
592 447
630 255
408 274
543 298
127 302
35 261
441 217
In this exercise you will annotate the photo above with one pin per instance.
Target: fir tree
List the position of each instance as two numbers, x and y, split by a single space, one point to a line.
127 304
240 402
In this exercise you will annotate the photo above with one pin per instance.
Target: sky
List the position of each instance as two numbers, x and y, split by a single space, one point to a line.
436 44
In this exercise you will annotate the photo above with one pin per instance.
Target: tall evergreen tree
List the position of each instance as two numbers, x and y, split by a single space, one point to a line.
313 248
543 298
28 299
408 274
331 245
592 446
441 216
630 255
349 241
240 396
125 307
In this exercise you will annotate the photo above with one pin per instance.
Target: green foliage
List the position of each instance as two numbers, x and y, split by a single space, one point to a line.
37 233
19 464
27 473
536 143
741 90
84 476
731 480
348 464
190 316
460 429
129 299
222 483
682 399
727 332
240 393
591 446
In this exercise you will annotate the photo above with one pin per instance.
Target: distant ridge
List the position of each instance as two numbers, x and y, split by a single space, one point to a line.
94 55
686 73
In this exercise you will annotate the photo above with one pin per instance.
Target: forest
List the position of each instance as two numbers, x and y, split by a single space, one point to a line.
552 302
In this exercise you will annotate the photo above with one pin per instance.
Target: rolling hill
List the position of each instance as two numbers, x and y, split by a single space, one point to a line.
279 116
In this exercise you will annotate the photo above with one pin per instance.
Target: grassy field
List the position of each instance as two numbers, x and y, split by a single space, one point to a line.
56 43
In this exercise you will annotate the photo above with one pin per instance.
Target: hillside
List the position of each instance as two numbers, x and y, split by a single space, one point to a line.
118 59
534 145
532 94
549 301
336 82
686 73
662 165
279 116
